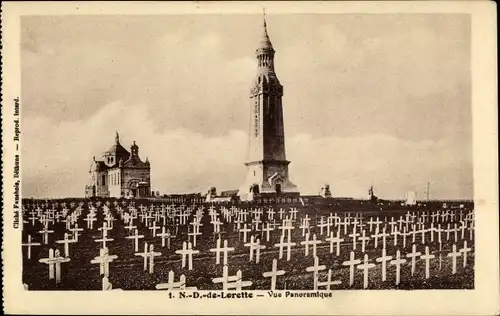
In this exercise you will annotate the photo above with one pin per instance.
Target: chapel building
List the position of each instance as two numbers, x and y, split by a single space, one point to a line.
119 174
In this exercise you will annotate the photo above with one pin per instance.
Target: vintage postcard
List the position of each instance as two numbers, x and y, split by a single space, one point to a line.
327 158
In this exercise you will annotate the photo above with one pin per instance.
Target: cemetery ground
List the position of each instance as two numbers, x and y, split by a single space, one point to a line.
128 270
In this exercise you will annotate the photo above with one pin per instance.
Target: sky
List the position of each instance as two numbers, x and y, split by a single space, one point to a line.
380 99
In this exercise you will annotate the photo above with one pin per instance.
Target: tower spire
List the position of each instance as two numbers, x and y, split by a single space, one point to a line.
264 18
265 42
117 138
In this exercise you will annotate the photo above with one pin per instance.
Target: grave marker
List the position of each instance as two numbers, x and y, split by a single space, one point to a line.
365 267
351 263
273 274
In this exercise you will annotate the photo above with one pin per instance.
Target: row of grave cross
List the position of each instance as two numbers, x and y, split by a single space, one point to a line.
255 245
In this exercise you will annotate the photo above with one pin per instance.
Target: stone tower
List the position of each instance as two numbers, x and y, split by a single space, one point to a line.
267 167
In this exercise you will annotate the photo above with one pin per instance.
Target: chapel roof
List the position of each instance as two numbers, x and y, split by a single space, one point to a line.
118 150
98 165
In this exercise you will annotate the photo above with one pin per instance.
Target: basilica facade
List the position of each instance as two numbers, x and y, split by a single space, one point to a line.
119 173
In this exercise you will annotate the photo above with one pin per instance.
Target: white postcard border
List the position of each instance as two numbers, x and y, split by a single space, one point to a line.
482 300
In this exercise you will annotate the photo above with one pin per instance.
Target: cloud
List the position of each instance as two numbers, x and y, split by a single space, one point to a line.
56 158
343 74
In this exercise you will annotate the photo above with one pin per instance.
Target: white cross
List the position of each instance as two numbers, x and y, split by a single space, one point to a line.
304 226
194 234
244 213
471 230
148 255
454 254
226 249
465 250
109 220
225 279
383 235
216 223
217 251
252 244
104 239
104 229
45 233
281 212
365 266
187 250
363 239
258 247
164 235
376 236
392 223
273 274
439 231
270 214
136 238
29 244
289 244
321 225
107 286
329 281
245 230
66 243
75 230
103 260
377 223
397 262
45 221
423 231
315 270
455 232
238 284
431 231
351 263
196 225
462 229
153 228
404 234
413 255
306 243
90 221
183 217
54 261
337 240
353 235
427 257
256 221
172 285
395 233
384 259
237 223
268 229
287 225
345 223
448 231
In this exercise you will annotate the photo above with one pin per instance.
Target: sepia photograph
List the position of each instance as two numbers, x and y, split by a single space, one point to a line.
248 154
